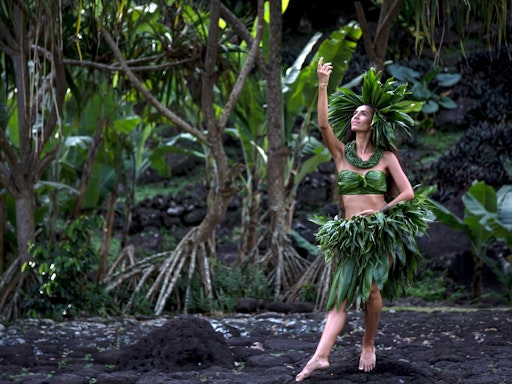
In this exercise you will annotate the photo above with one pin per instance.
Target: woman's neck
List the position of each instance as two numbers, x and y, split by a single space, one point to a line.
364 145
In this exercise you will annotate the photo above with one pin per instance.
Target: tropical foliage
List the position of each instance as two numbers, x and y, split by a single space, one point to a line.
64 273
427 87
93 94
486 220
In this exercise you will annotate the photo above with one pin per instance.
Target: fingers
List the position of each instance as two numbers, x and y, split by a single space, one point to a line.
367 212
324 72
326 66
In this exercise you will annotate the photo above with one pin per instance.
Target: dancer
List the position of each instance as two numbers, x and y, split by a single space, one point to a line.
366 255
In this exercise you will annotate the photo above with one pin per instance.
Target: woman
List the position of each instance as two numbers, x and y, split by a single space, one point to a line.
362 268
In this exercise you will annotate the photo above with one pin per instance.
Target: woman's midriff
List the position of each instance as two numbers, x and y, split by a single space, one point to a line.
355 204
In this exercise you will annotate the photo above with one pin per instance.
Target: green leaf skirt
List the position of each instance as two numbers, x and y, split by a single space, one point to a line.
381 248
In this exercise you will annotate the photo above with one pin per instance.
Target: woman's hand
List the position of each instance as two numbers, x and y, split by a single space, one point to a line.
367 212
323 71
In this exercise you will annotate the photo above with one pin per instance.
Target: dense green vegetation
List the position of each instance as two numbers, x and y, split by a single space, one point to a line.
117 89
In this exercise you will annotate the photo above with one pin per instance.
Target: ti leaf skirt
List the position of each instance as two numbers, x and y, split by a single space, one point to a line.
381 248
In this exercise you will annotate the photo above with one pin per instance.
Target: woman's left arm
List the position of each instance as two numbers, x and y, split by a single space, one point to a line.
400 178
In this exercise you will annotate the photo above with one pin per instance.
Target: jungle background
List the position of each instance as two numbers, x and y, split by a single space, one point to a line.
163 157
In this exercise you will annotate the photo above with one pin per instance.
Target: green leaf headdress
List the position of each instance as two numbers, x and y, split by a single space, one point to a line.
390 110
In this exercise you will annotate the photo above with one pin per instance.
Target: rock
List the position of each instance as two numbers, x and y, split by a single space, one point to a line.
185 343
429 345
248 305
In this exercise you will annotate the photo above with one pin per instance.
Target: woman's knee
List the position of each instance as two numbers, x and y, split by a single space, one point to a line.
339 310
374 290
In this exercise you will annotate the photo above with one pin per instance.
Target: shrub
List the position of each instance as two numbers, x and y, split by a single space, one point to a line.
487 82
229 284
63 274
482 153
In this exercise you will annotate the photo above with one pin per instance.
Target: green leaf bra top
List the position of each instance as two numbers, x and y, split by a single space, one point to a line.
354 183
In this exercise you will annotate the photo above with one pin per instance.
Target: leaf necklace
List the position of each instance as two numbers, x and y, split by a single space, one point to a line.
356 161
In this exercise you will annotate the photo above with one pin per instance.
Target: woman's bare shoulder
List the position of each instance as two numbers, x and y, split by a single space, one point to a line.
391 161
389 156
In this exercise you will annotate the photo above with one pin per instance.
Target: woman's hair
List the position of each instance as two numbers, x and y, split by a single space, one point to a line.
350 135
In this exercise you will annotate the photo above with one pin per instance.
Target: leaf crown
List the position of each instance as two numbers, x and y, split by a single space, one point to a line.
387 101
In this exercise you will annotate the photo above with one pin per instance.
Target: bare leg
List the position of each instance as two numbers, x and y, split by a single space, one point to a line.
371 322
333 326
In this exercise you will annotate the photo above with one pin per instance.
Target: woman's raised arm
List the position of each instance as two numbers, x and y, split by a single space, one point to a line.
335 146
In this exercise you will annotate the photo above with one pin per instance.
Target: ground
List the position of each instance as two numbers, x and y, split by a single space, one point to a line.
416 343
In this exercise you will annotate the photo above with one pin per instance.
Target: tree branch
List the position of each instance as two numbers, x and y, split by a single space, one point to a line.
243 32
46 84
209 73
235 22
22 6
367 39
111 68
147 95
94 148
10 41
7 149
5 176
44 162
6 49
388 14
116 68
249 64
58 70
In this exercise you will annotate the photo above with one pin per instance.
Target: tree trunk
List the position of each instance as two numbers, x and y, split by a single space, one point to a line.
221 193
376 48
87 169
477 276
27 162
107 235
33 41
277 151
247 246
21 188
25 221
2 233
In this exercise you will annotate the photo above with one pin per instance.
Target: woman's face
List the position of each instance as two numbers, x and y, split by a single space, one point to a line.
362 118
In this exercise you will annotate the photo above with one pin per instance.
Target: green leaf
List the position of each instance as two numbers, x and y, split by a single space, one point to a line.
293 72
127 124
403 73
367 282
304 243
448 79
447 102
501 231
481 235
312 163
430 107
449 218
504 202
481 199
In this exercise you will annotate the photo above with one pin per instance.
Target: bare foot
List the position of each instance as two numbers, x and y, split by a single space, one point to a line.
368 359
312 365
